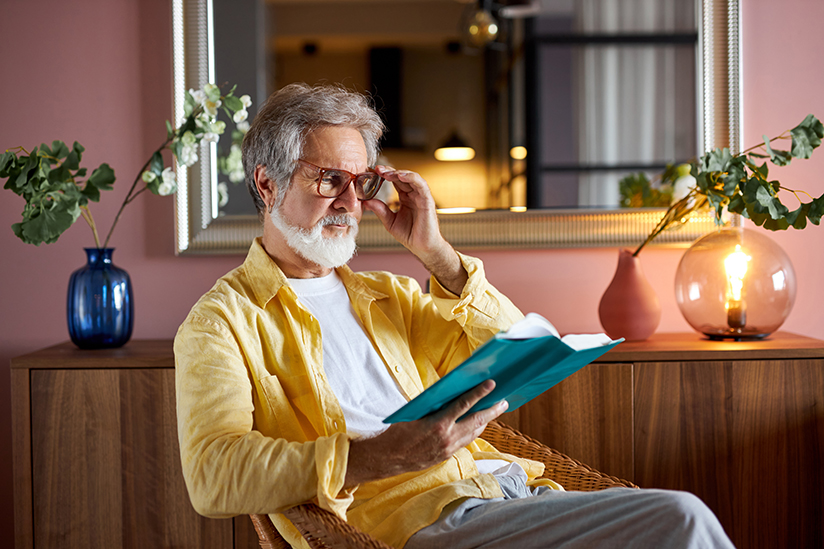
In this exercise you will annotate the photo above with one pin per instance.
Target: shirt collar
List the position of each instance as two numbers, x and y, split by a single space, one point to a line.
266 279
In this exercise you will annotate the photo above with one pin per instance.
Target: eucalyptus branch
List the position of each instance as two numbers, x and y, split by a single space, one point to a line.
759 145
676 213
737 184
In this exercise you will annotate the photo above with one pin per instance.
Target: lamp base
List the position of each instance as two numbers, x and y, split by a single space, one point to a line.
736 334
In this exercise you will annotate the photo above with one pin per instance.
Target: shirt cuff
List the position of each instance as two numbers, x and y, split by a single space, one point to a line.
331 459
475 294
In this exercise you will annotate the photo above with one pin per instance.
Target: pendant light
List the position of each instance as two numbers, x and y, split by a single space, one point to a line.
454 149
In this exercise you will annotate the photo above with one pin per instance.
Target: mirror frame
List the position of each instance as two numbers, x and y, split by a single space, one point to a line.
199 230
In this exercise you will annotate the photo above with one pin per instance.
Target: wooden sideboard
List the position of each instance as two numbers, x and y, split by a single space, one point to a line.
740 424
96 457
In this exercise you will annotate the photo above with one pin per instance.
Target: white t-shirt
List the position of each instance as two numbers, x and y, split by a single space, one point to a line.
366 393
366 390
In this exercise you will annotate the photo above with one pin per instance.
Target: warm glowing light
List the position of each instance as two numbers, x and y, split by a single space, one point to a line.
482 28
455 210
517 209
518 153
736 266
454 154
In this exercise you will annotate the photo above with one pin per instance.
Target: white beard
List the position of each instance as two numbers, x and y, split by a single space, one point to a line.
312 245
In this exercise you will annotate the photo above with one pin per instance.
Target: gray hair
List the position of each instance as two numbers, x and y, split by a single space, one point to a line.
278 133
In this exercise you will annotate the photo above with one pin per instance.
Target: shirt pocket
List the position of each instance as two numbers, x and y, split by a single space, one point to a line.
281 420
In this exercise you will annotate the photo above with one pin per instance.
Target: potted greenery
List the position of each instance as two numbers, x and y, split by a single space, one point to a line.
57 192
727 183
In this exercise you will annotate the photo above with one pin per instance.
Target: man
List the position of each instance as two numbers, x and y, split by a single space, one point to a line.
286 367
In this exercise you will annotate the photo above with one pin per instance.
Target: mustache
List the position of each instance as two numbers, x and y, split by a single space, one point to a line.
340 219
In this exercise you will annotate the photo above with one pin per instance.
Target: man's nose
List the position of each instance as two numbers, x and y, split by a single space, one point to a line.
347 200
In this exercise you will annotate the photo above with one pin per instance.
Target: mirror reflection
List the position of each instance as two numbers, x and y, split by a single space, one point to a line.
557 104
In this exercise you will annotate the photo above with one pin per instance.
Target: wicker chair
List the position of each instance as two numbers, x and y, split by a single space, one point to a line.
323 530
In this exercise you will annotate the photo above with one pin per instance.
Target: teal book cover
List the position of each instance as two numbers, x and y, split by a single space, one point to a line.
525 361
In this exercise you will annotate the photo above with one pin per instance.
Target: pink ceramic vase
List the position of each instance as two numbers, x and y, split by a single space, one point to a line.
629 307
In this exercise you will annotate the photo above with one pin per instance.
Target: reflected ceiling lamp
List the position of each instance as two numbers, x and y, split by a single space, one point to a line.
454 149
518 152
481 28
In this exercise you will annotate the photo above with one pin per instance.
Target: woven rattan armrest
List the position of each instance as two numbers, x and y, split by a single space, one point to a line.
323 530
569 473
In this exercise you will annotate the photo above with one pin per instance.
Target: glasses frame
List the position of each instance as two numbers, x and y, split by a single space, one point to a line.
352 177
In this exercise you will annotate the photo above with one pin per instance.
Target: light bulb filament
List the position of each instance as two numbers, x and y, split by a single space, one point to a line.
735 265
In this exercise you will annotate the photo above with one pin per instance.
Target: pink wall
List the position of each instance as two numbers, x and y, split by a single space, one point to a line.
99 72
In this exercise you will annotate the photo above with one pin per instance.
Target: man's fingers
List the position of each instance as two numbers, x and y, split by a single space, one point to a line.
402 179
466 401
482 417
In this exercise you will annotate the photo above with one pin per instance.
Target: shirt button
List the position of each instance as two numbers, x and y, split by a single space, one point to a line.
397 369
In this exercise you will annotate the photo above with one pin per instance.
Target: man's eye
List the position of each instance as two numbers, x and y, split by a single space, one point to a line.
332 178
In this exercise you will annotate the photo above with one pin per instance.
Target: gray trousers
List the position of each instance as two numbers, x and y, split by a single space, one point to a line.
617 517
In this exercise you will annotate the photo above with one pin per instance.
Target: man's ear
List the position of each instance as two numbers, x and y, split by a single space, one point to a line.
267 189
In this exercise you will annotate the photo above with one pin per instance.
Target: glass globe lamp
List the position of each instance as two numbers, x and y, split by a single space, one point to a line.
736 284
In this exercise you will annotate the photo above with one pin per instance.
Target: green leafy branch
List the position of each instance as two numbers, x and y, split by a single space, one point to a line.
739 184
50 179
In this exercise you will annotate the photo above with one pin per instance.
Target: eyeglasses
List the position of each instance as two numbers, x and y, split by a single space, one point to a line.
333 182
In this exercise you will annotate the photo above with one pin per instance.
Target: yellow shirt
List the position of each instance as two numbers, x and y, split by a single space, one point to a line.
261 430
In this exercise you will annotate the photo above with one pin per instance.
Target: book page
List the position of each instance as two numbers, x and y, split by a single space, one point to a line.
586 341
534 325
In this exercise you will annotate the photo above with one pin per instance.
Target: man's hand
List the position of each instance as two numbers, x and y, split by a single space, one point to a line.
418 445
415 225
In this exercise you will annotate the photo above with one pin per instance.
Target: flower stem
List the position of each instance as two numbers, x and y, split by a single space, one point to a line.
675 213
782 136
87 216
795 193
129 196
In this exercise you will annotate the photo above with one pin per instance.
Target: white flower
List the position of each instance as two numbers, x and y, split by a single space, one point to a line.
243 126
188 138
188 155
211 90
198 95
683 184
236 176
211 107
222 194
211 137
148 176
240 116
169 184
218 127
246 101
234 164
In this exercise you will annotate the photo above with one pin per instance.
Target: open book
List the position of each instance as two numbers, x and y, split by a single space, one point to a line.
524 361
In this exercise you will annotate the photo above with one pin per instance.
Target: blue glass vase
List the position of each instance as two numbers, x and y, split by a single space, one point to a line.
99 306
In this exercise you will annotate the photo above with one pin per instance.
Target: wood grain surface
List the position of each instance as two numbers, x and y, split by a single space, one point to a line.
672 347
589 415
740 424
106 463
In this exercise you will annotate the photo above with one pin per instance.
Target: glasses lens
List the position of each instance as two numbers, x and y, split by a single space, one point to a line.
369 185
332 182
